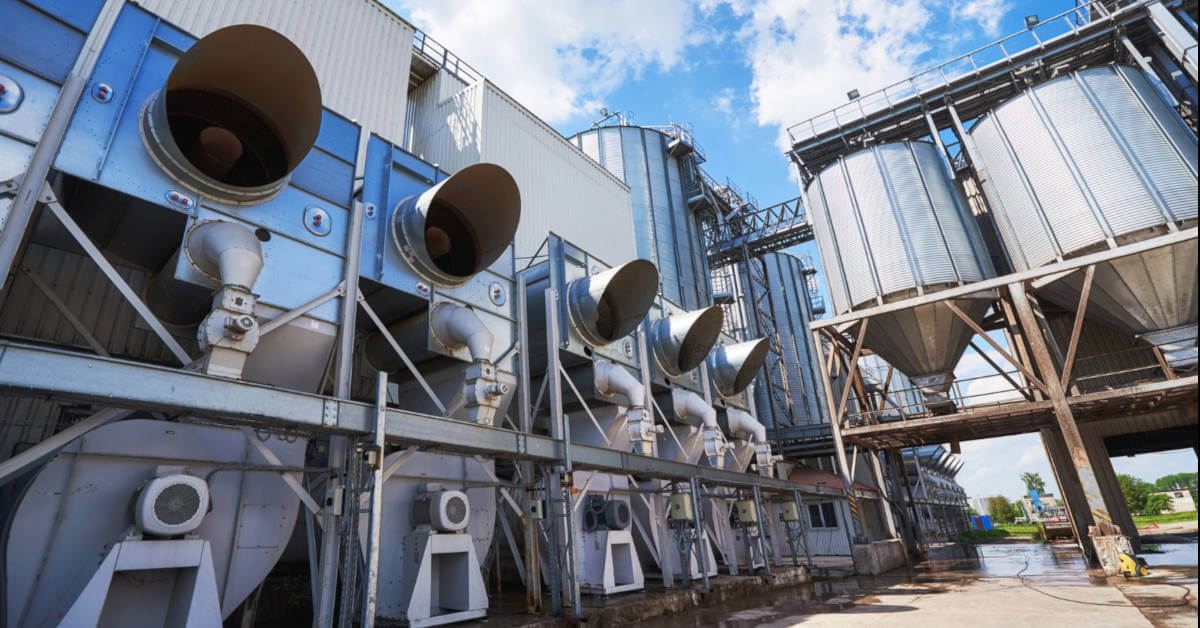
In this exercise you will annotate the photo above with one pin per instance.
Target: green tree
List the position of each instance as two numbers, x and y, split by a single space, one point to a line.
1156 503
1033 482
1136 491
1001 510
1177 482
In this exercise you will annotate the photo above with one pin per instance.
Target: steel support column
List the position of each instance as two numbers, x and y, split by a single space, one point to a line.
1062 410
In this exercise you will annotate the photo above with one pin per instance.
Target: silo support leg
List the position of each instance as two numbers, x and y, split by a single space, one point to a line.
1070 431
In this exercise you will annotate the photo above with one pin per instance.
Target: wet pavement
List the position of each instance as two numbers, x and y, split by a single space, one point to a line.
994 584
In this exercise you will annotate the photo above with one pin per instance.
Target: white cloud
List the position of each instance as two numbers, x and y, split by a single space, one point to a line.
723 101
986 13
994 466
806 54
559 59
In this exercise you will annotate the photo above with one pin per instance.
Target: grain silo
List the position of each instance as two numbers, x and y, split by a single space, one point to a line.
890 225
1091 161
653 165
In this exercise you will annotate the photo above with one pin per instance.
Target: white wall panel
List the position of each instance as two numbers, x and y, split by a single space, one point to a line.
360 51
562 189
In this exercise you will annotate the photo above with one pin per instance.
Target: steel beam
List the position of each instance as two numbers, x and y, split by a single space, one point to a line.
1062 410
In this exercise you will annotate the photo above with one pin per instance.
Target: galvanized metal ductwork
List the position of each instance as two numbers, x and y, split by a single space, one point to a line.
1089 161
681 342
609 305
238 113
452 327
733 367
890 225
613 379
743 425
460 226
692 409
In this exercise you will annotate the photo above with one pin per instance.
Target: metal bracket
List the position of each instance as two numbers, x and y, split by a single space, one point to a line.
329 413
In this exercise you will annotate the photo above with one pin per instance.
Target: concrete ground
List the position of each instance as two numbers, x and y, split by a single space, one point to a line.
1013 584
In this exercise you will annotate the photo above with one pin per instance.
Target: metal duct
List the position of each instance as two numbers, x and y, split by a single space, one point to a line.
452 326
743 425
227 253
240 110
459 227
609 305
681 342
734 366
890 224
1089 161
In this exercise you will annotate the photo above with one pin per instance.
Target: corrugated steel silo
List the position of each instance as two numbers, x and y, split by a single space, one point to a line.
1090 161
664 228
792 311
890 225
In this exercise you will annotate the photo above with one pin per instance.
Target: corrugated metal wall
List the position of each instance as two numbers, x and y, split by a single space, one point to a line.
360 51
1105 358
562 190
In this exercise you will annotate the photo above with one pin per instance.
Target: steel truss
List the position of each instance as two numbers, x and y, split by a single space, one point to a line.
1050 398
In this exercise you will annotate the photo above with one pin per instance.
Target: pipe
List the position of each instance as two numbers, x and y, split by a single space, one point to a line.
613 379
733 367
742 422
609 305
689 405
225 252
452 326
456 326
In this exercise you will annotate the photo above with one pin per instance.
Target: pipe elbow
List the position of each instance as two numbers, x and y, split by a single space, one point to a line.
226 252
613 379
692 409
744 423
457 326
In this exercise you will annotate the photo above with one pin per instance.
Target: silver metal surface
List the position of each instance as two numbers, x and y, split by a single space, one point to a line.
664 228
889 225
1094 160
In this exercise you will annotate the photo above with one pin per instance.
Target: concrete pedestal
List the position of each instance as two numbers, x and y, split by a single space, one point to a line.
880 557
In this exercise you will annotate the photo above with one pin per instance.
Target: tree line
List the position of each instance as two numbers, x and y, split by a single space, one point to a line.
1139 494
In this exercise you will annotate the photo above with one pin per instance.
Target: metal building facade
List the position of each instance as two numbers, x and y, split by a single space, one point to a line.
665 229
562 190
360 51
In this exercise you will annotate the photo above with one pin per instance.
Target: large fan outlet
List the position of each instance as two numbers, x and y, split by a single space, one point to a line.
444 511
171 505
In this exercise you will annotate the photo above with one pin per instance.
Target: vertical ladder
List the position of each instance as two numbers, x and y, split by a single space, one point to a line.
761 310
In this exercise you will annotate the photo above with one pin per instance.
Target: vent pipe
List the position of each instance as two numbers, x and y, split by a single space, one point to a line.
692 409
681 342
733 367
612 379
609 305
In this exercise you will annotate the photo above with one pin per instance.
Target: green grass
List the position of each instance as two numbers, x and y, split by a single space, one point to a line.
1018 529
983 535
1145 520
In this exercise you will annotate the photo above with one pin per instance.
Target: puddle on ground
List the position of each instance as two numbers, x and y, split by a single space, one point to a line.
947 568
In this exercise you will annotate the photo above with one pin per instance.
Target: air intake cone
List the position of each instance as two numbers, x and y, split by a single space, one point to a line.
240 110
733 366
681 342
460 226
611 304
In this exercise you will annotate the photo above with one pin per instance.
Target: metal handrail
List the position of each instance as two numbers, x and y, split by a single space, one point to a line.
937 77
438 54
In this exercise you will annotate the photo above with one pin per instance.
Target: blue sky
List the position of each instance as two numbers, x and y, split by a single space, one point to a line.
740 71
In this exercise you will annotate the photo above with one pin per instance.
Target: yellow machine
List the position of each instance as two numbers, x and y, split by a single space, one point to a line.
1133 566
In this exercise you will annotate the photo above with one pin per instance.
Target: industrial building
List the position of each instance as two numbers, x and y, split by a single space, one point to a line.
291 310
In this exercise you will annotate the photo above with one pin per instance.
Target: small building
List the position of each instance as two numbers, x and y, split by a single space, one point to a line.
1181 500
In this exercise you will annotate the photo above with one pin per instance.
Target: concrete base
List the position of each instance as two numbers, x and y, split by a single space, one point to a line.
879 557
1108 552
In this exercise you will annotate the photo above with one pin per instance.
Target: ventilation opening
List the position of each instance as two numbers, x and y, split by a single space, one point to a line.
608 315
225 139
700 338
451 241
456 510
176 504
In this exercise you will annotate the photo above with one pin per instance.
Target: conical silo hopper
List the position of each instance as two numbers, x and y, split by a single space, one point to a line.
890 225
1091 161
